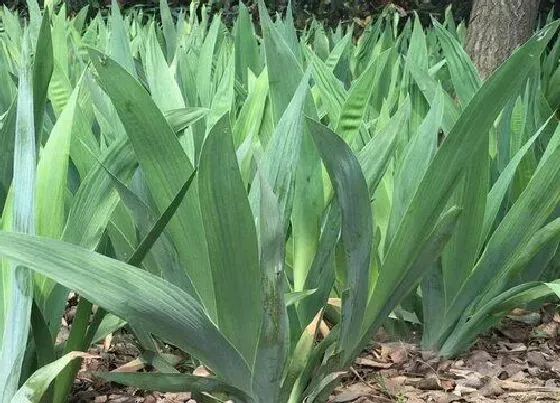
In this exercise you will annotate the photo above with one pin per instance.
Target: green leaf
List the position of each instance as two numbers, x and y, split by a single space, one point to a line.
33 389
470 195
284 69
467 135
331 89
246 47
76 342
152 236
524 219
173 383
417 156
60 88
204 68
43 65
79 20
95 200
501 186
280 159
417 50
464 75
162 256
354 108
180 119
165 167
357 234
17 280
320 275
232 241
168 30
273 340
44 341
293 298
7 130
222 100
375 156
163 87
386 296
51 188
428 86
463 248
251 114
338 50
554 287
298 361
325 386
119 47
52 173
134 295
109 324
490 313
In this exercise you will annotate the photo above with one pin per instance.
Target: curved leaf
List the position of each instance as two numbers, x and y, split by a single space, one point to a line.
134 295
232 241
173 383
357 234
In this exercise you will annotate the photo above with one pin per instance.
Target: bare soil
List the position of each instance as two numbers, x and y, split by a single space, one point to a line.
520 362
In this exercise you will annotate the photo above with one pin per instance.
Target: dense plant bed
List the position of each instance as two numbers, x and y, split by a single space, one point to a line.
264 200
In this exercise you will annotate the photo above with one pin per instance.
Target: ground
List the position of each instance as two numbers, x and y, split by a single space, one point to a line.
520 362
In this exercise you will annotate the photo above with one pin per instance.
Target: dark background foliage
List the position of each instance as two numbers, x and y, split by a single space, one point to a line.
330 12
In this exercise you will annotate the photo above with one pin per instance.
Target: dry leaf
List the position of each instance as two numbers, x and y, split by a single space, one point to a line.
373 364
447 384
107 342
132 366
202 371
353 392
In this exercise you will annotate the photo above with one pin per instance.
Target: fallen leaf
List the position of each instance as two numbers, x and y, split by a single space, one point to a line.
537 358
373 364
132 366
492 388
352 393
532 318
516 334
336 302
518 312
324 329
447 384
311 329
479 356
107 342
202 371
547 330
425 383
511 348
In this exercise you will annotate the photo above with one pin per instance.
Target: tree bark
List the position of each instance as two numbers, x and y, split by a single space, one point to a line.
497 28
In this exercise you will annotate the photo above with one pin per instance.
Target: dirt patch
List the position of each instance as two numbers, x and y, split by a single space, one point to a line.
520 362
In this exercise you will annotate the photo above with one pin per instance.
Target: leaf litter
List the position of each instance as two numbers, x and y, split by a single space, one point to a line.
519 362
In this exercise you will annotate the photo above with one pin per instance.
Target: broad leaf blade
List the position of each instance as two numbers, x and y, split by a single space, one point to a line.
134 295
357 234
173 383
466 136
273 341
17 281
33 389
232 241
42 70
165 167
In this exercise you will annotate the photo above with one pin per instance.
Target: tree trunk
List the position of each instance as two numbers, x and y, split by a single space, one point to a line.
497 28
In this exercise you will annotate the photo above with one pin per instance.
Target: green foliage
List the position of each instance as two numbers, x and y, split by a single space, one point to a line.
219 190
